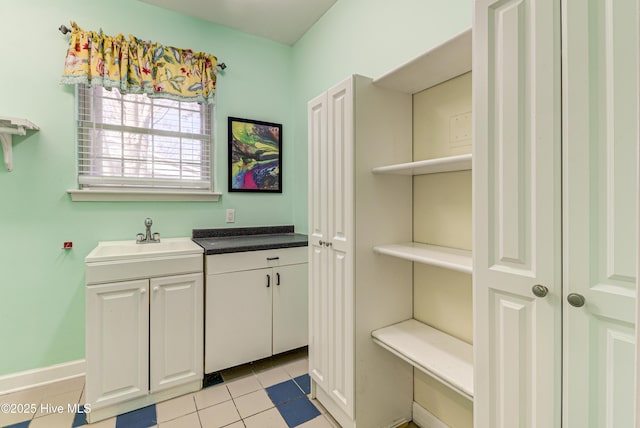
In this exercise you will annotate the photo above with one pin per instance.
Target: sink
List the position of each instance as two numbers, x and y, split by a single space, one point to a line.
113 261
130 250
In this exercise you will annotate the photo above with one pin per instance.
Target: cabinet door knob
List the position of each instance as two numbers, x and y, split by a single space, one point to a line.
539 290
268 281
576 300
143 290
321 243
156 289
329 244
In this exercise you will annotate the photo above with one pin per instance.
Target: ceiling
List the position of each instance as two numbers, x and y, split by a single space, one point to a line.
284 21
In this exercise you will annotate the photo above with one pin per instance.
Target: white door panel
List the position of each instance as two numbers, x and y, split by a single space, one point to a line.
290 300
318 197
331 201
117 342
517 195
600 96
176 331
340 251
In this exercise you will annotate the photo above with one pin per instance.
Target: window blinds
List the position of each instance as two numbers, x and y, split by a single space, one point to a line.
135 142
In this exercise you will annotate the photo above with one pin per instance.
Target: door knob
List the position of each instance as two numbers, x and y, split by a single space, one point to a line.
539 290
576 300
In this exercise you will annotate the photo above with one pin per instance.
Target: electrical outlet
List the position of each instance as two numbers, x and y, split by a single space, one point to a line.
460 130
231 216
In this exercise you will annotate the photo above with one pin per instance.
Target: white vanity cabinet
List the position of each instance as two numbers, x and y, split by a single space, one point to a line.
144 336
256 305
137 334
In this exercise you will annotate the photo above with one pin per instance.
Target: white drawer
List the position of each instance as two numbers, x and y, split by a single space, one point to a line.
233 262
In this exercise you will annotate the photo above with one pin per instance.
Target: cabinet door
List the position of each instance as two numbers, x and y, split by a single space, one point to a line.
600 137
318 196
176 330
331 201
517 201
238 321
117 340
340 275
290 307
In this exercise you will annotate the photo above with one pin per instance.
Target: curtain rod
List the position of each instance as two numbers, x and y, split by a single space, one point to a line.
64 30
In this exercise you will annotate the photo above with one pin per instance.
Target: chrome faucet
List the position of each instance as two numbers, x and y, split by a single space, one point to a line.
147 238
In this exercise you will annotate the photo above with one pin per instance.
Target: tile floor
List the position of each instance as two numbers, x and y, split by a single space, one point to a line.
267 394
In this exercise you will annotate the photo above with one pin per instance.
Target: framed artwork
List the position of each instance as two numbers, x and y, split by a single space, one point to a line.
255 156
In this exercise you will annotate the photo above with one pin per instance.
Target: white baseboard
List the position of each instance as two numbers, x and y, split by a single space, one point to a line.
36 377
424 419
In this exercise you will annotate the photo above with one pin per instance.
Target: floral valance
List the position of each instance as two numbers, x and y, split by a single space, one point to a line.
136 66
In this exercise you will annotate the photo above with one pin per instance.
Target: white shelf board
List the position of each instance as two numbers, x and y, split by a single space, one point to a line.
444 257
444 357
16 123
10 126
446 61
429 166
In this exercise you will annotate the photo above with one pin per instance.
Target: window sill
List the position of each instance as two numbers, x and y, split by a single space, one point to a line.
141 196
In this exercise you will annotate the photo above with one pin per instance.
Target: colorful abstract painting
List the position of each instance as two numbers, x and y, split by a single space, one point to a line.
255 156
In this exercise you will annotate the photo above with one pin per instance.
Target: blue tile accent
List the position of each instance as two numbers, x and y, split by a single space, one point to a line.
211 379
80 419
298 411
304 382
141 418
283 392
24 424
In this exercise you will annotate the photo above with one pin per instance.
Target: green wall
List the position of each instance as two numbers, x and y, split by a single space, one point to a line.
41 285
367 37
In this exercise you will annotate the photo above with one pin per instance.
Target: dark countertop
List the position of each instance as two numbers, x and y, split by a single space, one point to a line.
239 239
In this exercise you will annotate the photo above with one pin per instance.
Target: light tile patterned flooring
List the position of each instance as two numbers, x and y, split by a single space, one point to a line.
266 394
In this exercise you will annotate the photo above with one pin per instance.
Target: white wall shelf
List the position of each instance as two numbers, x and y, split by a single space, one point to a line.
429 166
446 61
444 257
10 126
444 357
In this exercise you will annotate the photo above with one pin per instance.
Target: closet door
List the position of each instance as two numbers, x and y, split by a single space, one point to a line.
517 201
600 137
331 201
319 355
340 244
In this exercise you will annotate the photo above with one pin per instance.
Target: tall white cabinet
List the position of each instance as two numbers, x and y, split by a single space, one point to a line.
364 341
555 144
353 127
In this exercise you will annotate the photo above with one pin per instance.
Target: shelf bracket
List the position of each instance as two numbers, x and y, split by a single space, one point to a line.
9 127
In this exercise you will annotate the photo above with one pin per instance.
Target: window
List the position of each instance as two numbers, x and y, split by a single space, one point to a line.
135 143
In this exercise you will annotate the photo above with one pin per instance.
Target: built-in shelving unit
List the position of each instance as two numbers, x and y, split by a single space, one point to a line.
446 358
452 58
430 166
432 351
10 126
444 257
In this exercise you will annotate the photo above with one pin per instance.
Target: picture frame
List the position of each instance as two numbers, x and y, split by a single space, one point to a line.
255 156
